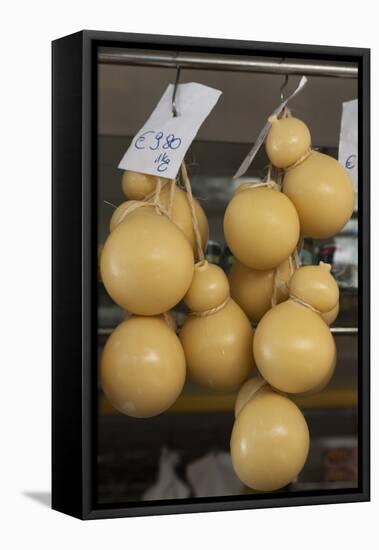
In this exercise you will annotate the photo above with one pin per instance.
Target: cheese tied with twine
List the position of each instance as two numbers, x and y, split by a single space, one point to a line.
293 347
217 336
263 133
161 144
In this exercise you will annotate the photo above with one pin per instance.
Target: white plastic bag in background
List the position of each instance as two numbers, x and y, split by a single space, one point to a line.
168 484
213 475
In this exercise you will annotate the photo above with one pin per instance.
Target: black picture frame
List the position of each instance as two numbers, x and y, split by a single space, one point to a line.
74 368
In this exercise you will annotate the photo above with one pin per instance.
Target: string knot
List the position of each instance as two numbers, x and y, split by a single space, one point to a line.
152 200
299 161
298 300
211 311
256 185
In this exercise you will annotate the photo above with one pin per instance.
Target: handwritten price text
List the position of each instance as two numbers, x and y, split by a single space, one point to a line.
158 141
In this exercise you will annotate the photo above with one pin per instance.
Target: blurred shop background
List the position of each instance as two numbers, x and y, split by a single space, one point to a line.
184 452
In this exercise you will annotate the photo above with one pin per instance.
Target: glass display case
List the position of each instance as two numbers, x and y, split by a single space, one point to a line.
139 458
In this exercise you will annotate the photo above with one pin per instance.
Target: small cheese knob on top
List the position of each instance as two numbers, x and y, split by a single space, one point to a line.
315 285
287 141
209 288
136 186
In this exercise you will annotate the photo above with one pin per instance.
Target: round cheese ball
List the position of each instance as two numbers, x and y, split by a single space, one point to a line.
261 227
287 141
218 348
142 367
270 442
293 348
322 192
147 263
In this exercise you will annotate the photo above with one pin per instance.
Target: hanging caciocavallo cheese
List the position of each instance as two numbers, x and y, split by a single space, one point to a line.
172 198
253 289
294 349
143 367
147 263
287 141
261 226
217 336
270 439
319 187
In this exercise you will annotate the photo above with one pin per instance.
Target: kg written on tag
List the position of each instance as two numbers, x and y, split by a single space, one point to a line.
160 145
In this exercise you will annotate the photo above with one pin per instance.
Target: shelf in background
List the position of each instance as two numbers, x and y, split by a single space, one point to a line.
343 331
327 399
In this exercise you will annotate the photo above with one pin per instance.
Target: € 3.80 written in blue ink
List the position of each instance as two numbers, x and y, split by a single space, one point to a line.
159 142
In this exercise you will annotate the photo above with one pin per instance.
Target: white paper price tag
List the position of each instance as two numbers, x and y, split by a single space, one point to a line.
348 149
160 145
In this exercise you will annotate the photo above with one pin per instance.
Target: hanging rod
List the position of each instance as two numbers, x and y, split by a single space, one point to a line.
339 331
226 63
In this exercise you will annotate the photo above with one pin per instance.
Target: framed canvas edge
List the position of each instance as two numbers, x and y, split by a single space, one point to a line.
88 510
67 318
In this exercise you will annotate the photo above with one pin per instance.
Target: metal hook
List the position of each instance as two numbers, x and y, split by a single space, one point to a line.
283 86
174 109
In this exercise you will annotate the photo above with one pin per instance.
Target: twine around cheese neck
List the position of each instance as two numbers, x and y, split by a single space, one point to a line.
211 311
300 160
191 202
262 382
301 302
153 199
